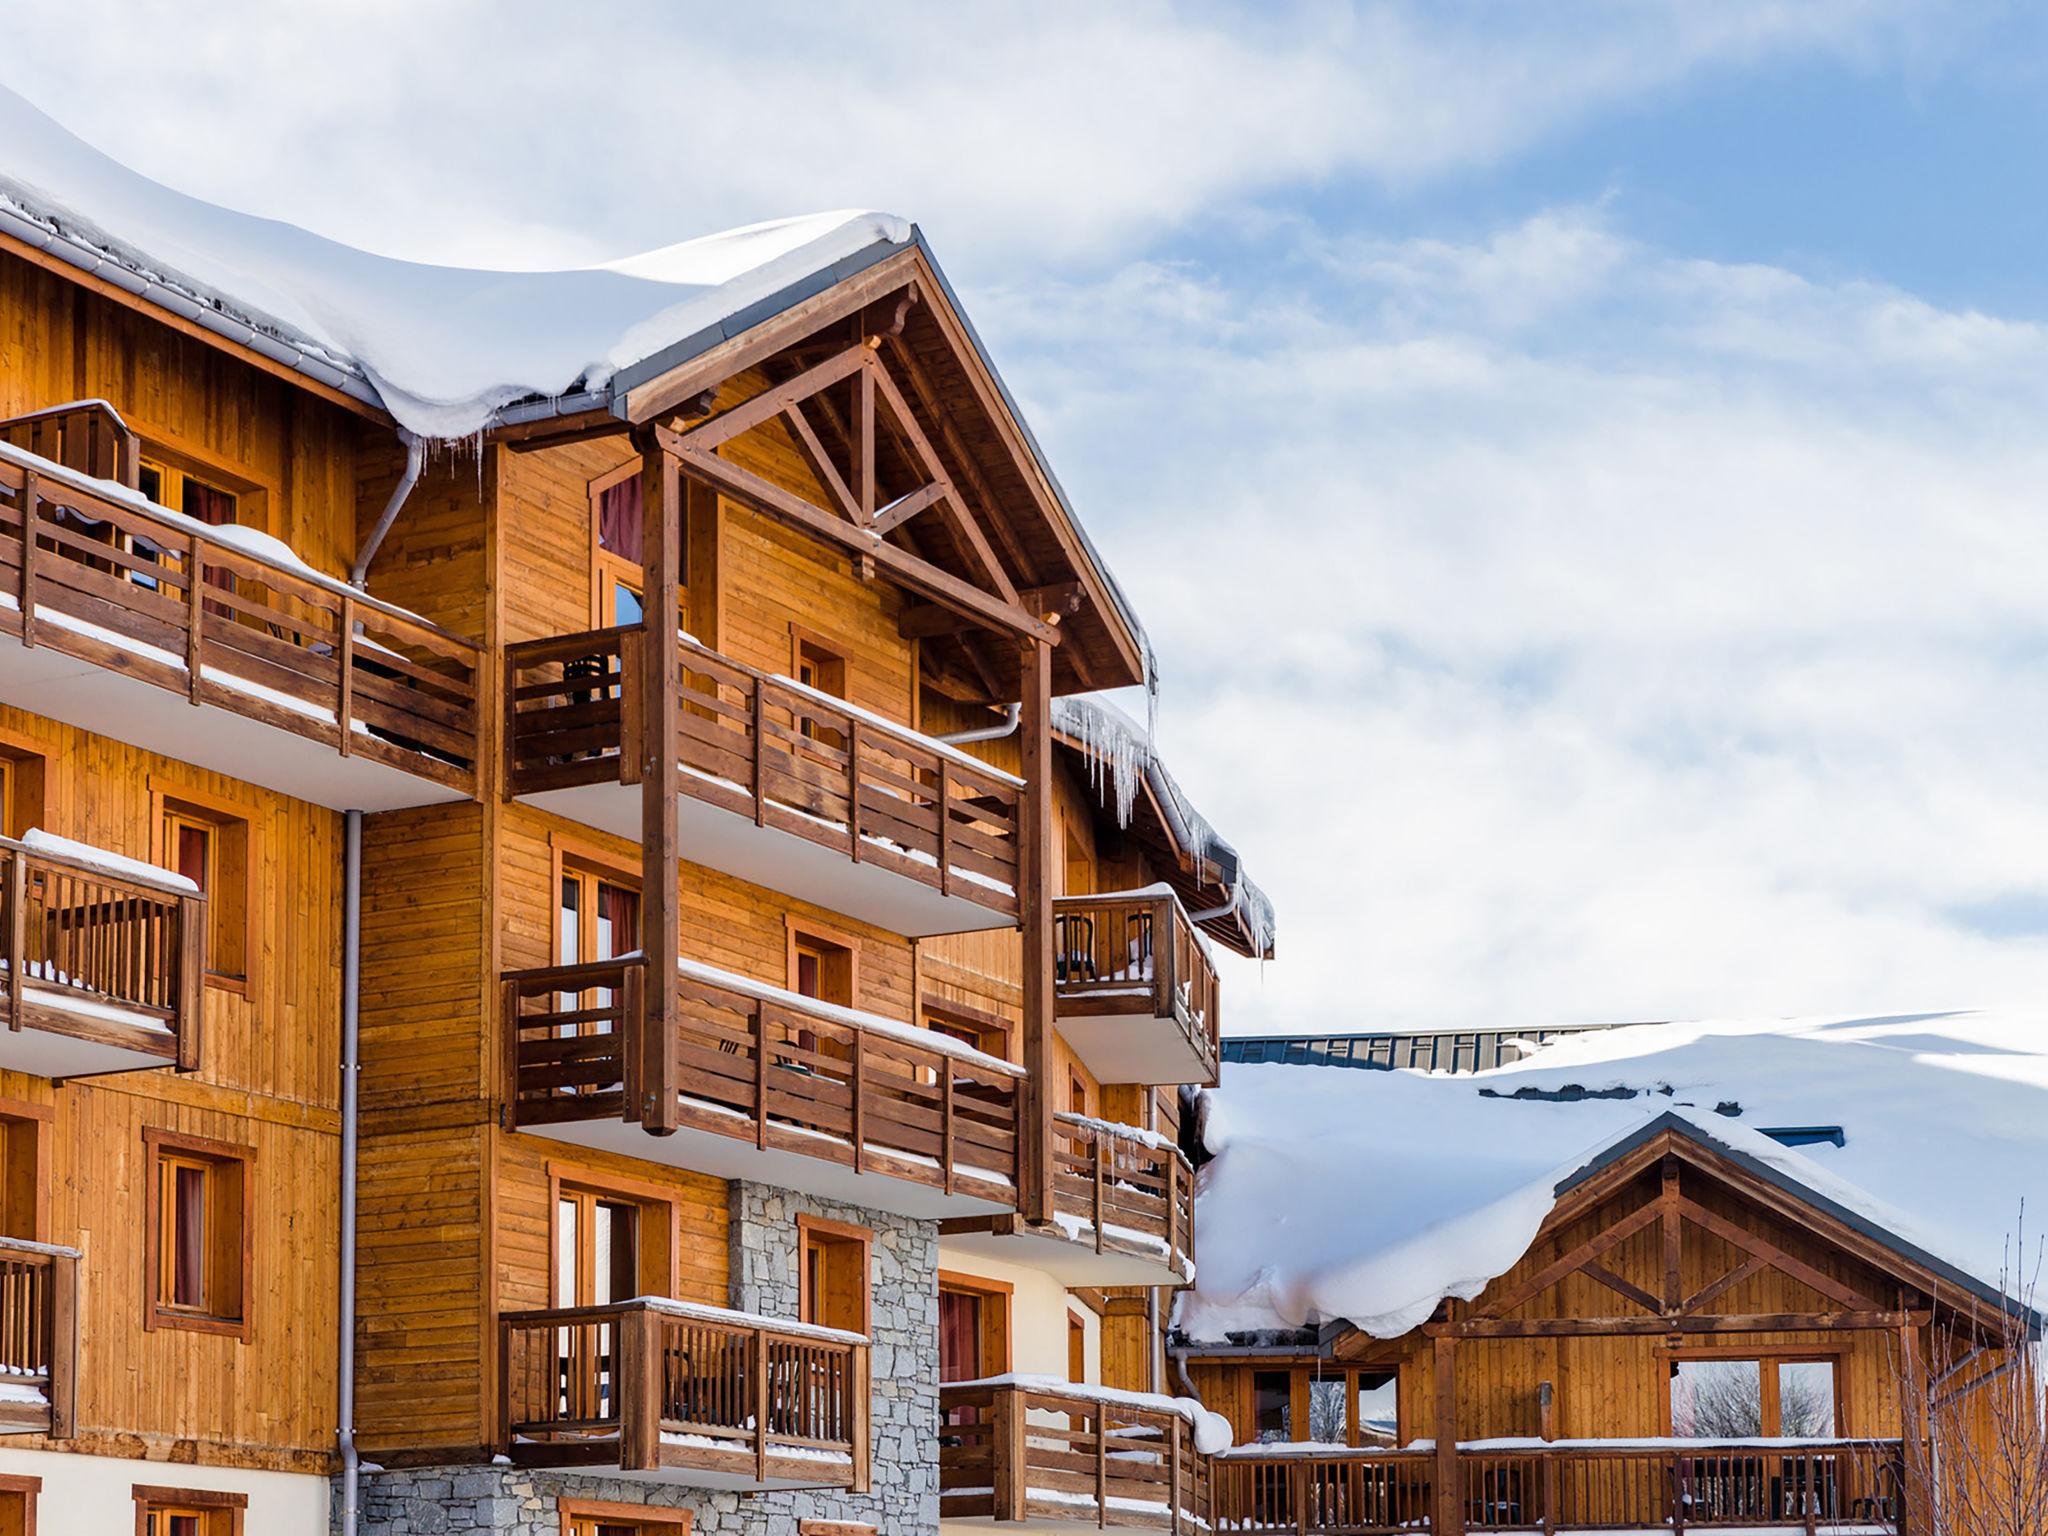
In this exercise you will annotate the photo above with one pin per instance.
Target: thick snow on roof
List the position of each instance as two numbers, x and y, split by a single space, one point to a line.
1368 1197
443 347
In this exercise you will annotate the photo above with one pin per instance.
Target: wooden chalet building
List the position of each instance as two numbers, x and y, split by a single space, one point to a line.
1711 1325
746 1014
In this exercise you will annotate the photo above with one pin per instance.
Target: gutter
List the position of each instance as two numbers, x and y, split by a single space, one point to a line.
351 982
415 461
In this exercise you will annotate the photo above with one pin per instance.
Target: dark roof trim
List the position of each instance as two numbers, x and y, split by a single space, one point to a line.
1776 1177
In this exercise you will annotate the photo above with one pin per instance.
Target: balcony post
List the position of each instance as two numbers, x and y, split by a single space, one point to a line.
1034 913
661 921
858 1413
1450 1494
17 933
1009 1448
636 1383
63 1348
191 979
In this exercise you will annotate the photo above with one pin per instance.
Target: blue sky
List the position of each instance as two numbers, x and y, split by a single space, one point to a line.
1581 463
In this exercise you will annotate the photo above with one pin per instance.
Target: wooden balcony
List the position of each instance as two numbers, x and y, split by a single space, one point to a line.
212 646
38 1339
1133 989
1032 1451
669 1392
782 786
1123 1211
1585 1485
775 1088
99 971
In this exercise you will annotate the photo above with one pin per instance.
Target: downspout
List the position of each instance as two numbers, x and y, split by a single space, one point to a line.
1210 914
351 977
1012 713
415 461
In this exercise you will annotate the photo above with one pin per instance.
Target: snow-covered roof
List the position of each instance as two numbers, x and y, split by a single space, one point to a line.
1369 1197
442 348
1120 758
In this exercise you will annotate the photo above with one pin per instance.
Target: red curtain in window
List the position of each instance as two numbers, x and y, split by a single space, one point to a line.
618 519
191 855
622 910
959 1336
188 1276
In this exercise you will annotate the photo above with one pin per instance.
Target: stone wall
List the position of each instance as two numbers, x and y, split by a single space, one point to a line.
451 1501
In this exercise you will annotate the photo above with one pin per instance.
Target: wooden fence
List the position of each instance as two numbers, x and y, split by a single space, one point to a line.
1136 954
134 589
1136 1196
642 1386
762 1066
1026 1451
772 751
74 933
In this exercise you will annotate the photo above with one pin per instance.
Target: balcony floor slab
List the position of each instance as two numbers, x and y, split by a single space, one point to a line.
1072 1261
1138 1047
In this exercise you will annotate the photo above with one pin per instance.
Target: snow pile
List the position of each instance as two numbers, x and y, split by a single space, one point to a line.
1212 1430
1368 1197
442 347
37 840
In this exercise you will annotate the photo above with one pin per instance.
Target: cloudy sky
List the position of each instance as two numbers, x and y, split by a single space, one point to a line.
1582 464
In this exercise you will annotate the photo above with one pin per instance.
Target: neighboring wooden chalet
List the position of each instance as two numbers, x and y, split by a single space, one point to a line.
1709 1327
657 781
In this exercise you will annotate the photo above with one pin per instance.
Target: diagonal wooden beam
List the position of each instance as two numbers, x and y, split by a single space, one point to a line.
774 400
1713 1290
1615 1283
904 508
958 517
1577 1259
1776 1257
919 575
820 461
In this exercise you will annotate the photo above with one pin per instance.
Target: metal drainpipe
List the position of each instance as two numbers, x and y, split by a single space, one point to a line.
351 962
415 461
1012 713
1210 914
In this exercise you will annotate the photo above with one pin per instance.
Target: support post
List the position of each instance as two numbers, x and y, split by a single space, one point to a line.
661 498
638 1350
63 1351
1450 1494
1012 1476
1034 913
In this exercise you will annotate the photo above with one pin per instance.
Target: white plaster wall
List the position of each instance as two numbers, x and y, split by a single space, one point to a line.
1039 1306
91 1495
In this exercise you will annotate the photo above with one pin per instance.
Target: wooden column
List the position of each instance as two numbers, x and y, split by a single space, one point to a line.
1448 1517
1916 1459
661 496
1034 914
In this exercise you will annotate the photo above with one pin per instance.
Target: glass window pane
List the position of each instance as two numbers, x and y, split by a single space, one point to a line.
188 1272
1716 1399
1326 1410
565 1253
1377 1417
1272 1406
626 607
1806 1399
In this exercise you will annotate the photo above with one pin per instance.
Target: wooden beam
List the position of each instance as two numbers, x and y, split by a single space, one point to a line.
1449 1515
1667 1203
1706 1293
578 427
1624 1288
904 508
958 517
1575 1260
661 922
819 460
1765 1322
918 574
773 401
925 621
1778 1259
1034 911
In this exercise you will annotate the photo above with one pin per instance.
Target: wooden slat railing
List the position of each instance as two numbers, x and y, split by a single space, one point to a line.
88 436
1136 954
1132 1194
766 1067
39 1337
646 1385
770 750
131 588
1015 1452
1580 1486
72 932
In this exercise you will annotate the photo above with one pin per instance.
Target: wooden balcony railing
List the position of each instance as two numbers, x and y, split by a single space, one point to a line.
1586 1485
138 589
38 1338
1125 1190
1136 953
1029 1450
653 1386
763 1065
88 436
773 751
109 958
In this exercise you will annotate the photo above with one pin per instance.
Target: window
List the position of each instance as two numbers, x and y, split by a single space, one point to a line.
825 965
818 665
986 1032
597 1517
1079 876
1378 1419
209 844
195 1238
832 1275
188 1512
21 1185
18 1505
1077 1348
597 917
1272 1406
617 550
597 1249
1077 1093
974 1332
197 497
1720 1397
21 790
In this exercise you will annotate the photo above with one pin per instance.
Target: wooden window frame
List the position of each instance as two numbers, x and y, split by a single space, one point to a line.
1768 1360
835 655
224 1512
156 1313
808 1227
604 564
1077 1332
801 931
656 1203
998 1303
255 497
31 1123
28 1488
170 797
650 1519
567 855
991 1030
24 785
